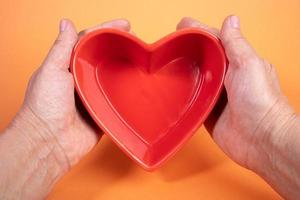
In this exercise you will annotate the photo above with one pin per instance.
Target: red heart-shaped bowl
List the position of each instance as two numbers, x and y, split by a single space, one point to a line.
149 98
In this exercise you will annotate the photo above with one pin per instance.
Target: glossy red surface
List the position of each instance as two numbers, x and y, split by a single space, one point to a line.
149 98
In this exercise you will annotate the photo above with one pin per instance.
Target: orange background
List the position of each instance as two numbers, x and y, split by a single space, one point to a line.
200 170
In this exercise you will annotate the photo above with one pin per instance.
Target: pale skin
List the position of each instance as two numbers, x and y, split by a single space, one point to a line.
256 128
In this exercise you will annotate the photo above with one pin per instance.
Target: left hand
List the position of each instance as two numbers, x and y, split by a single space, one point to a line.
49 134
50 96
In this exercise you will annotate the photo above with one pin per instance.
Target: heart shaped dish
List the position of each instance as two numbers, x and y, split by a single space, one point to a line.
149 98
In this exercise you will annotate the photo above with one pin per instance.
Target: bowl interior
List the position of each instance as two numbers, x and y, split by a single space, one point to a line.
150 98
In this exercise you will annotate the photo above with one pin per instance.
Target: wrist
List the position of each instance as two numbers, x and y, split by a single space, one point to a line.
274 135
278 155
32 154
41 137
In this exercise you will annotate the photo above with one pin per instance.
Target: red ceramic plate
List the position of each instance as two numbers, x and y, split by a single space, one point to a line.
149 98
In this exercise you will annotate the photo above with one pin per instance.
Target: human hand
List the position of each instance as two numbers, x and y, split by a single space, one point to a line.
50 104
50 130
255 124
253 93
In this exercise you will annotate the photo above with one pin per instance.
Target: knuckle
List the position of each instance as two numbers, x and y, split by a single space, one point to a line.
58 41
254 60
268 66
232 39
62 43
59 44
248 61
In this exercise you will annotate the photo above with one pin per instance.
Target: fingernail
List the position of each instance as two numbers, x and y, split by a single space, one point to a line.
234 21
123 22
114 23
195 23
63 25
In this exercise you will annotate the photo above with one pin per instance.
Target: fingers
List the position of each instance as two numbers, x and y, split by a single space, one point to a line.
218 111
59 55
121 24
239 52
188 22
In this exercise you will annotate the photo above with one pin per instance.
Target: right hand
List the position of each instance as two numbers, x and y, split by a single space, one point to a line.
256 107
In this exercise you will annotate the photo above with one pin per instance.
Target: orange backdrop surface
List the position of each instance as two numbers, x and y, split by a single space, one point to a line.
200 170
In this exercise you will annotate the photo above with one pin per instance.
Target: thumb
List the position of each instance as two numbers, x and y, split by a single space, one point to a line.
237 48
60 53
